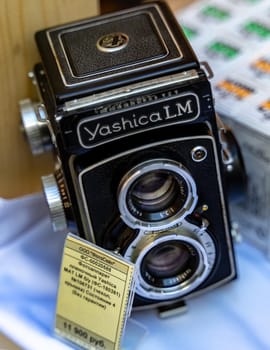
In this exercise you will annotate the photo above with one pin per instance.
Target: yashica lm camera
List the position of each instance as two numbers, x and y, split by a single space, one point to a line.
142 163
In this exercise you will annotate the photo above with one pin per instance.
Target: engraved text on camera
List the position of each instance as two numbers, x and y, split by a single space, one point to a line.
179 109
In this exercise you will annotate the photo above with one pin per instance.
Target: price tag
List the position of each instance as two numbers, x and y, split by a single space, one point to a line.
95 295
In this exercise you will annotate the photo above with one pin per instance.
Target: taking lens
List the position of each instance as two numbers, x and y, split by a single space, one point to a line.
170 264
173 262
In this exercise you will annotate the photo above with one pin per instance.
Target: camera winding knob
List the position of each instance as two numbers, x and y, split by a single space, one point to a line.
35 127
54 197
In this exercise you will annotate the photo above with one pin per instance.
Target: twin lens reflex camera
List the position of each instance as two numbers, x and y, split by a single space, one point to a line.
143 165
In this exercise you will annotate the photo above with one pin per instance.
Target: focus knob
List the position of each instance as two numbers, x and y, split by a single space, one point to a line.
35 126
55 202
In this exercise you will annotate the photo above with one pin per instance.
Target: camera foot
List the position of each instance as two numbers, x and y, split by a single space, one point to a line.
173 309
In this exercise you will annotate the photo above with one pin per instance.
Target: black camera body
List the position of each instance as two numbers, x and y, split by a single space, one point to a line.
141 159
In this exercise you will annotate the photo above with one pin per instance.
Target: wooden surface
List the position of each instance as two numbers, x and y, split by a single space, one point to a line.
178 4
7 344
19 171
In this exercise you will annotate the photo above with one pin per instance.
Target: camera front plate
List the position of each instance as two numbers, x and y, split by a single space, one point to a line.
100 181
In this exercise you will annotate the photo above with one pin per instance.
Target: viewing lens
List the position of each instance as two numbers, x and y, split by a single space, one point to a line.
157 195
154 191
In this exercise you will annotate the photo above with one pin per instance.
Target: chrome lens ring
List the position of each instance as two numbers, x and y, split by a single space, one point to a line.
166 280
156 194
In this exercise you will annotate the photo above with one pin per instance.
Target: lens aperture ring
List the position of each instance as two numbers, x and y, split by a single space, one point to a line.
172 263
156 194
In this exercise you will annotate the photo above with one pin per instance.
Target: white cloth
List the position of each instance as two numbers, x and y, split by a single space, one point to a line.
235 316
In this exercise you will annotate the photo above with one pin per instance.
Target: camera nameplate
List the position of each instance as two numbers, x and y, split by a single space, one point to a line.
105 128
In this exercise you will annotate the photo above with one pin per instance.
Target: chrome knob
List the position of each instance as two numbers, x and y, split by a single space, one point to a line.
55 203
35 126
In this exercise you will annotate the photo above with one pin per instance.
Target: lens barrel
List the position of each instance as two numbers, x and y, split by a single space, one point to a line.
172 262
156 193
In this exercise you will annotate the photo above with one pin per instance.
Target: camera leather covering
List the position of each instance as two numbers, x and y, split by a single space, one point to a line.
155 45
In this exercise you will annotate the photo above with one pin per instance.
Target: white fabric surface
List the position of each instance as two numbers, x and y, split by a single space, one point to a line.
235 316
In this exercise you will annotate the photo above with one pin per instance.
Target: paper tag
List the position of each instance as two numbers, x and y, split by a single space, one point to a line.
95 295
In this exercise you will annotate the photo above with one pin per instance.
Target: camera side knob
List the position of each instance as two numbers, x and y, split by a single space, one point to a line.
54 199
34 126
